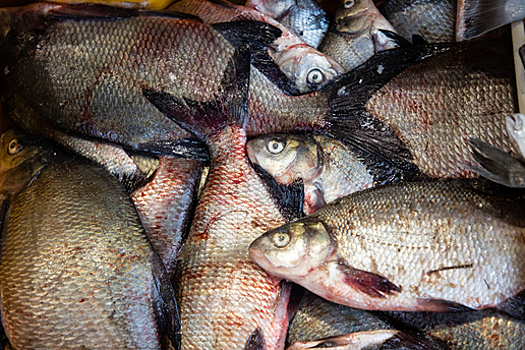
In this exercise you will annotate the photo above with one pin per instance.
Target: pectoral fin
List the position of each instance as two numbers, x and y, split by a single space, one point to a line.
368 283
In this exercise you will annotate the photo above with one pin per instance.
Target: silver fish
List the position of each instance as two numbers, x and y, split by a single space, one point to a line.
328 168
427 246
77 269
434 20
356 35
303 17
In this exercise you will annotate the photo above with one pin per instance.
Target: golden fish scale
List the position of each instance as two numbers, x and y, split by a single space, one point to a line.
409 233
76 272
223 295
435 111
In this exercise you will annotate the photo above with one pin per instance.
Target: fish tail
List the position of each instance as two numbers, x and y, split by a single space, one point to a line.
348 119
230 106
252 34
498 166
476 17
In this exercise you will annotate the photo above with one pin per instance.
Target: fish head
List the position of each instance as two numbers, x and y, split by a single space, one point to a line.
354 17
286 157
309 69
20 160
293 250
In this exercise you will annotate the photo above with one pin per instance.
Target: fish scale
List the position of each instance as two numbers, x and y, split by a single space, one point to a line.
224 296
437 105
93 260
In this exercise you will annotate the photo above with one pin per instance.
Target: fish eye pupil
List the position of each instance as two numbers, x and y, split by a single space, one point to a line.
281 240
348 3
13 147
275 146
315 76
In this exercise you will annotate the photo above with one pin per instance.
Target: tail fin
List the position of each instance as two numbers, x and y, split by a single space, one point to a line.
348 119
498 166
252 34
476 17
203 119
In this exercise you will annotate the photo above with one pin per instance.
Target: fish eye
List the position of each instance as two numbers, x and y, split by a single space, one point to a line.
14 147
315 76
275 146
280 239
348 3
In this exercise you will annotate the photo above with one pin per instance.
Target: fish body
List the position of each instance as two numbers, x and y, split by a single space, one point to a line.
433 20
417 246
226 300
165 205
305 18
93 62
77 269
435 123
356 34
328 168
477 17
306 67
483 330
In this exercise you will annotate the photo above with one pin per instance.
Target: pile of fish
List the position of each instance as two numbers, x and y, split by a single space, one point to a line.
267 176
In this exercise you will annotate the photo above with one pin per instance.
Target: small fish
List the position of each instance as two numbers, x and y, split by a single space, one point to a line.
305 18
328 168
433 20
357 35
77 269
414 246
307 68
477 17
480 330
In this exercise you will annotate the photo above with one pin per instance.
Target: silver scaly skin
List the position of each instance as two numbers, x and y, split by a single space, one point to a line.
427 246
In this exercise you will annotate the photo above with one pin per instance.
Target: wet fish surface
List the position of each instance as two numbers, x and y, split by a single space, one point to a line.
433 20
476 17
303 17
483 330
307 68
77 269
417 246
328 168
92 63
356 35
436 124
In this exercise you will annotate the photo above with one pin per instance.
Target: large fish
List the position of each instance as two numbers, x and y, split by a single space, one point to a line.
435 106
77 269
273 107
163 190
434 20
417 246
356 34
476 17
306 67
303 17
480 330
226 300
328 168
91 63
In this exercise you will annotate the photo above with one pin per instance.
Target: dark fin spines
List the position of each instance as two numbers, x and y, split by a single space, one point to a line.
230 106
288 198
514 306
438 305
404 340
262 61
189 149
255 341
368 283
252 34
